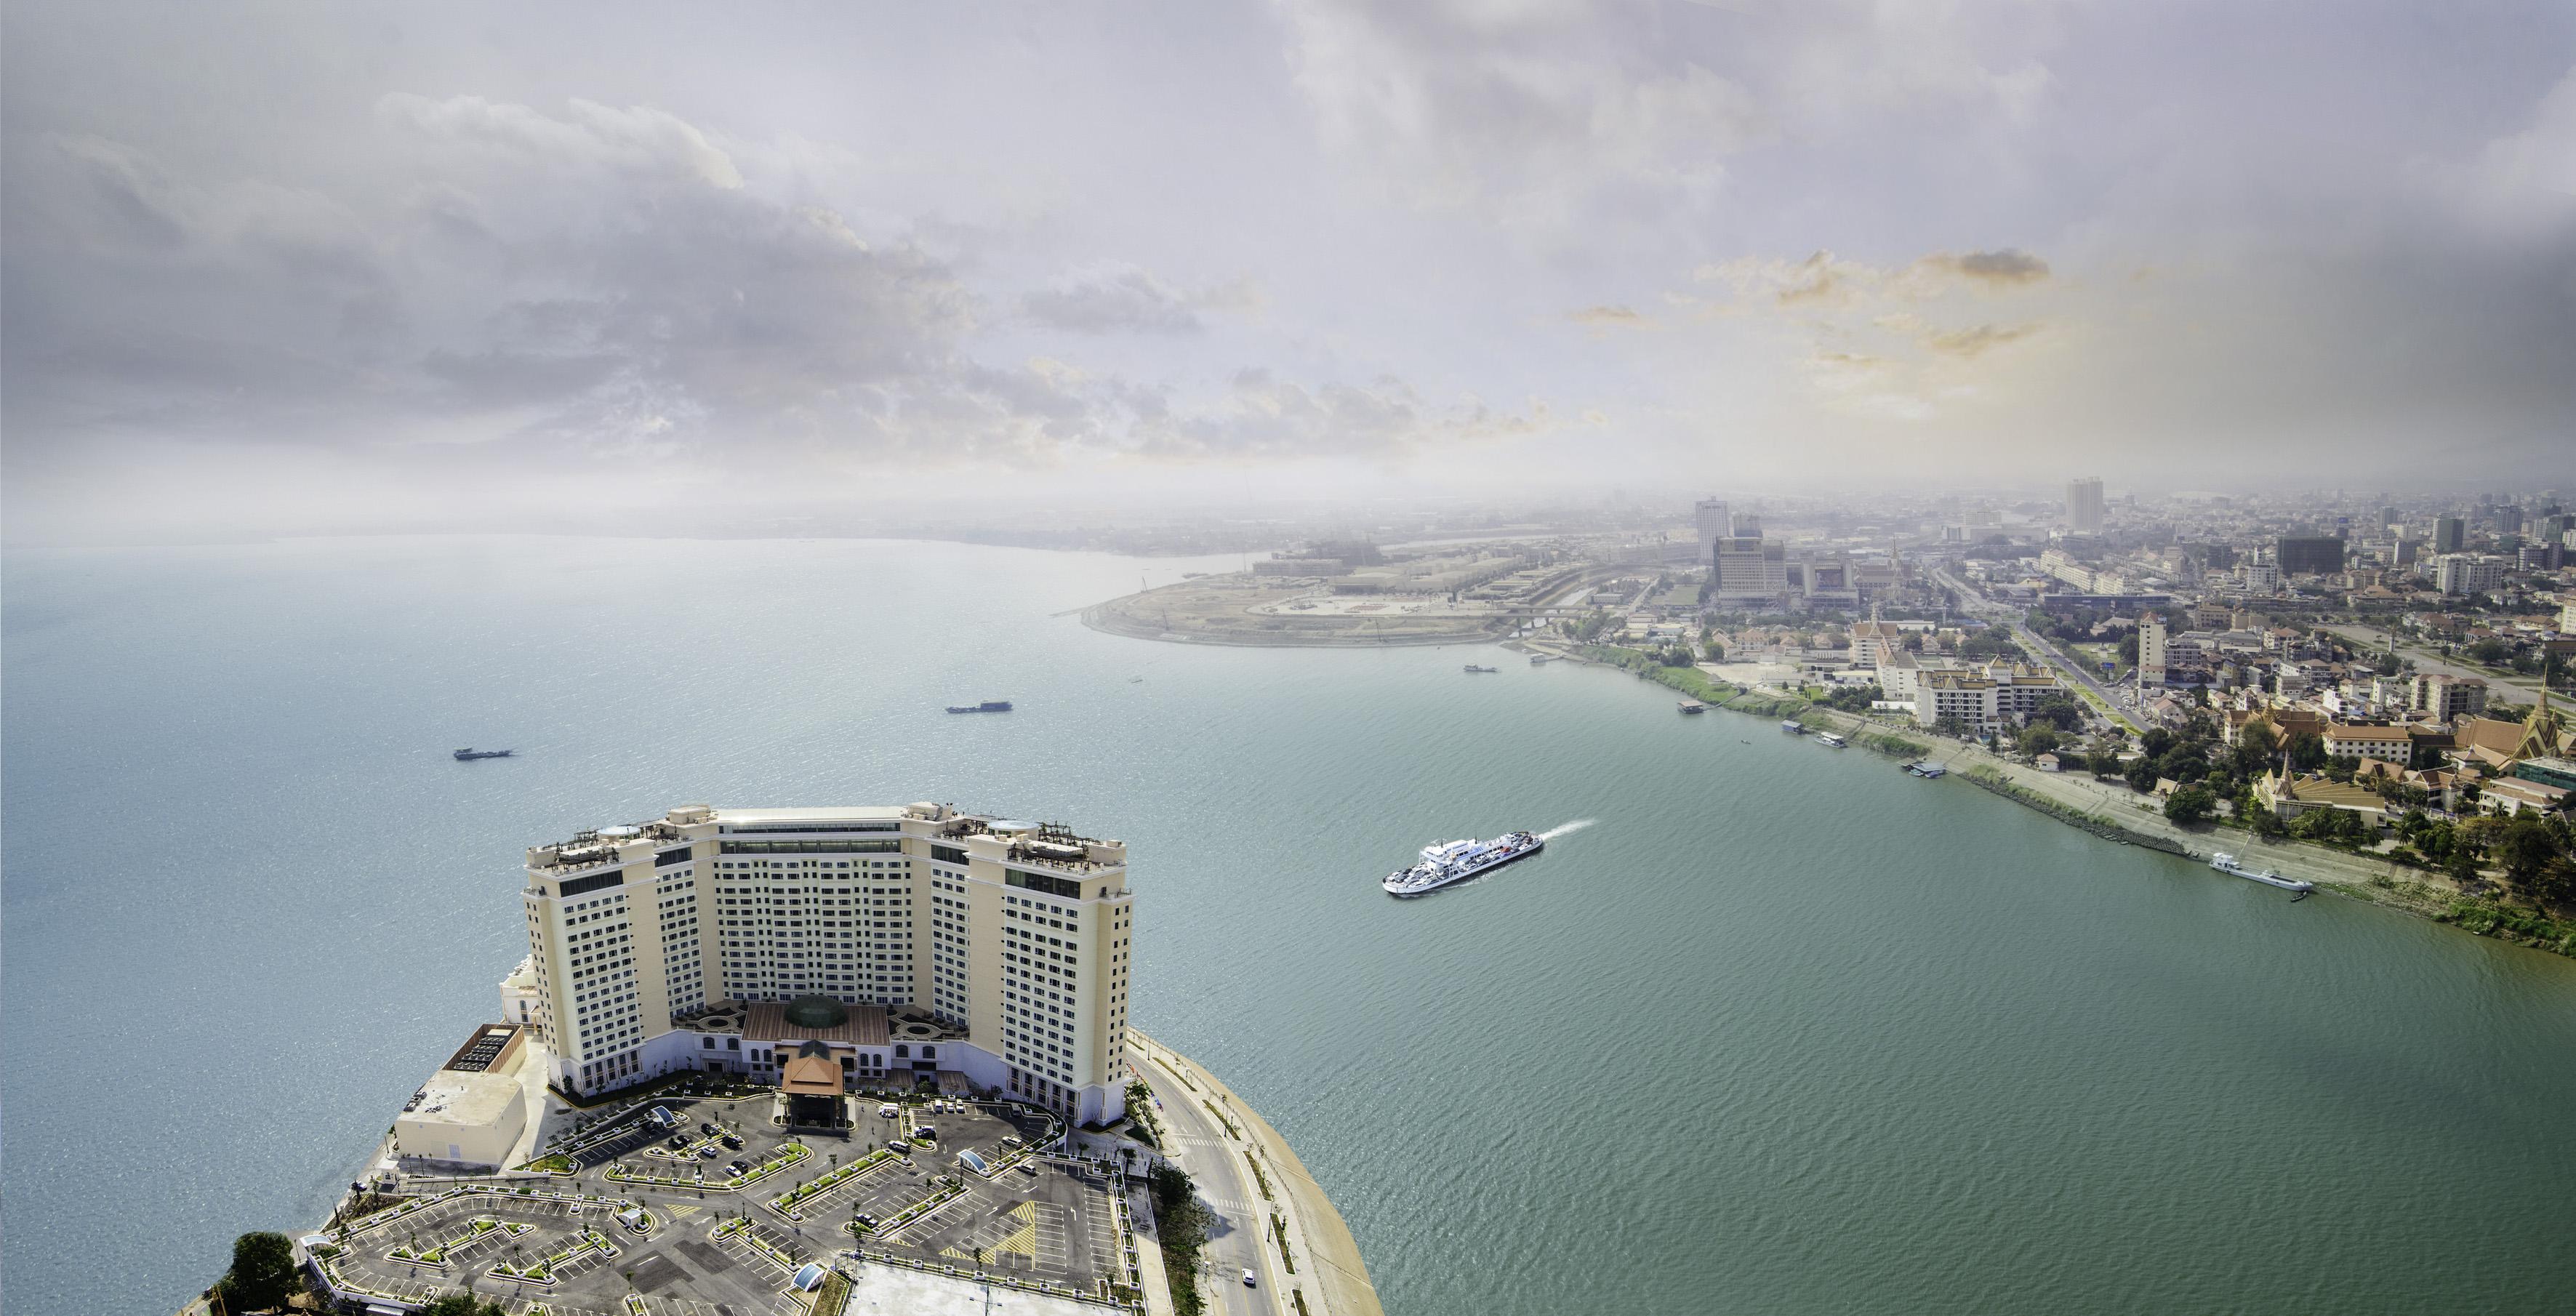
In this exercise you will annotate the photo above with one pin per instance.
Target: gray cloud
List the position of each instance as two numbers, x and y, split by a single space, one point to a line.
1119 298
2001 268
277 241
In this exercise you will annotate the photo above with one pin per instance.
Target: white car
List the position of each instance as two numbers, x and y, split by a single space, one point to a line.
1247 1280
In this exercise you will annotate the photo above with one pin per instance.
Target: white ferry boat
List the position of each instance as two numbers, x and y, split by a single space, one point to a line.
1830 741
1456 861
2226 863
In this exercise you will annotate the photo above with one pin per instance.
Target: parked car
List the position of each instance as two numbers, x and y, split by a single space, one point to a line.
739 1167
678 1141
732 1142
707 1152
707 1127
886 1111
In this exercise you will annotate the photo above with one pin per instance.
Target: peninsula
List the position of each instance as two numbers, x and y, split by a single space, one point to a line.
856 1059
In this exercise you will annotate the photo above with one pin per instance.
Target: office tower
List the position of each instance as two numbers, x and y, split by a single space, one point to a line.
2308 555
2084 506
1709 518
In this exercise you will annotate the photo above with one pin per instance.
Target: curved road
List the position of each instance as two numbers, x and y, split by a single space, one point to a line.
1197 1143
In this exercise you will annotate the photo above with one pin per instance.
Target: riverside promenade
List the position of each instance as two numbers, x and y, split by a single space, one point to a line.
1246 1172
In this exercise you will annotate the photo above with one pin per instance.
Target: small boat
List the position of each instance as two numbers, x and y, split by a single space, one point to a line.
1794 728
988 706
1831 741
1692 706
1473 669
1135 680
1926 769
1538 660
469 755
2226 863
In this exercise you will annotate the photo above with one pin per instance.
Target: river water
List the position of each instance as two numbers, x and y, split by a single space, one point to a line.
1783 1031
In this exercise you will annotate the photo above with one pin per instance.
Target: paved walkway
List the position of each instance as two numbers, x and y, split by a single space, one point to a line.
1329 1270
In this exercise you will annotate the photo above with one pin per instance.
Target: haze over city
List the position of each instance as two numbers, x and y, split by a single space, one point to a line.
289 269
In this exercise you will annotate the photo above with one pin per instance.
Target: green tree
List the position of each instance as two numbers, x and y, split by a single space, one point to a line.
2038 738
460 1304
263 1273
1170 1185
2307 751
2129 649
2255 746
2190 806
2141 775
2523 847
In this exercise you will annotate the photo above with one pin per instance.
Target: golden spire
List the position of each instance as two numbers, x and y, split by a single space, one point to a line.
2540 738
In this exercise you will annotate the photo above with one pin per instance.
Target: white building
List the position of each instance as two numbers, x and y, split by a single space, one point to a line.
1709 517
2084 506
2151 650
2468 573
907 940
1985 698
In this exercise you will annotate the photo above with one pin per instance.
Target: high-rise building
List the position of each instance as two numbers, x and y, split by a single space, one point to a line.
2151 649
1750 568
2468 573
2450 534
2308 555
1709 518
2388 516
907 941
2084 506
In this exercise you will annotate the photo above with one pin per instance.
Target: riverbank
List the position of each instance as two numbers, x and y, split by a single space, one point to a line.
2113 812
1252 612
1316 1261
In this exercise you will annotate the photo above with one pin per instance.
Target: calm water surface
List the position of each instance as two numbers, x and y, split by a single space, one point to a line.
1785 1031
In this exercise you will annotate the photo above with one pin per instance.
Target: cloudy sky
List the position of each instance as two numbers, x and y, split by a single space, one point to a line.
374 266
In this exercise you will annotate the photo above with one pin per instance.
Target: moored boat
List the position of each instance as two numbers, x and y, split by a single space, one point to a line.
2227 863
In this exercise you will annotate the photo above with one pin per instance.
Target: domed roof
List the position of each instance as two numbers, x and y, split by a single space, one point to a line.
817 1012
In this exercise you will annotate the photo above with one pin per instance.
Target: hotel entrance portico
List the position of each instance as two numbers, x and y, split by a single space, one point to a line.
813 1091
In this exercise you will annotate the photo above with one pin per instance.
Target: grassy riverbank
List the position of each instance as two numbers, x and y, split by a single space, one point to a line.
2475 914
2442 903
1708 690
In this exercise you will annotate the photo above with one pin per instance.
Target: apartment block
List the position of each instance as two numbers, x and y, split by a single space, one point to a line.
912 942
2468 573
1984 698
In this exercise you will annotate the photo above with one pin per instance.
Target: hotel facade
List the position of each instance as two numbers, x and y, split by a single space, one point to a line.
910 943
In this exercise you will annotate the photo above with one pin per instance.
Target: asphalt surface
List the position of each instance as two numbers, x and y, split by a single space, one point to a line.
1197 1143
2031 640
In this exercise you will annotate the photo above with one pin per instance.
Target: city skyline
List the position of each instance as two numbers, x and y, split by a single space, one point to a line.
301 271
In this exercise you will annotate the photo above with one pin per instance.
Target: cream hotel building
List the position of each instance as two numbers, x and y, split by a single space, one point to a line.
914 942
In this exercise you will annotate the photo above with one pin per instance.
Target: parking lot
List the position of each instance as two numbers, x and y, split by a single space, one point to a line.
1049 1221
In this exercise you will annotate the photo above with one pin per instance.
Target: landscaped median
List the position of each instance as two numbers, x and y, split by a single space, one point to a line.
785 1203
787 1154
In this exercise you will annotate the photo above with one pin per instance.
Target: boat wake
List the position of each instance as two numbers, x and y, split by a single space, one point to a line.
1566 829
